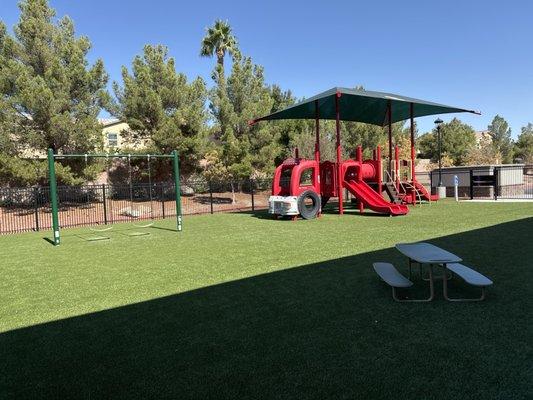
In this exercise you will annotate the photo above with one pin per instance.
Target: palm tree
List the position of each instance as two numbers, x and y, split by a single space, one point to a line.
218 40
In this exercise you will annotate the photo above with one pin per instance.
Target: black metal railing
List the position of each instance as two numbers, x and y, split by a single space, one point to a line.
28 209
488 182
514 182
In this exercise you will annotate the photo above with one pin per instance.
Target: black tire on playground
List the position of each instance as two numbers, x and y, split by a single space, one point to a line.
308 211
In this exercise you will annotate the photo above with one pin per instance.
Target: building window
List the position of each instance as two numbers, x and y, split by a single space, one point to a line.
112 139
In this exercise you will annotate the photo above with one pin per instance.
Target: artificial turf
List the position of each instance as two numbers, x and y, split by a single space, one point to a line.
243 306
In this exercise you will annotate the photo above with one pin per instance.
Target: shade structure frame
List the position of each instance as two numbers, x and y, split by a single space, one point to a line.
362 106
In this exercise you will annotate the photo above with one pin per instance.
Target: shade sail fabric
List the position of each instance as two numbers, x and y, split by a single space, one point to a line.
362 106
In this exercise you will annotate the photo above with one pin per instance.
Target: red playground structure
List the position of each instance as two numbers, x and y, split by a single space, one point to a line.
304 186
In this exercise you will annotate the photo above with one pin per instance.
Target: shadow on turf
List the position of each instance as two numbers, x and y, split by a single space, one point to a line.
329 209
323 330
164 229
47 239
122 231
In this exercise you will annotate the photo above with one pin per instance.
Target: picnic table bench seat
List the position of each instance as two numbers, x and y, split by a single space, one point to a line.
471 277
390 275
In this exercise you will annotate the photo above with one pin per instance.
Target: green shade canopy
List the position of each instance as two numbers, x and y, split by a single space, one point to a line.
362 106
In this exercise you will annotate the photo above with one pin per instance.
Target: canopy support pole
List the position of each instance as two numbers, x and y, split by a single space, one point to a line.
380 170
317 133
397 167
339 160
390 137
413 172
317 151
411 113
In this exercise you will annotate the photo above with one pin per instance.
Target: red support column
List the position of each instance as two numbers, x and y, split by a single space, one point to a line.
413 174
397 167
339 156
380 170
317 153
359 154
390 136
411 115
359 159
317 133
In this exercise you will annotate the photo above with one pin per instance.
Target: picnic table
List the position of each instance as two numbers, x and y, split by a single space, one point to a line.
428 254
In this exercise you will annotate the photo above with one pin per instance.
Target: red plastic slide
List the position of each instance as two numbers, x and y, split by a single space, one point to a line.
373 200
424 194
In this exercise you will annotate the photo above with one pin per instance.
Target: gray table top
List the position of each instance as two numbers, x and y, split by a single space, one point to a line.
427 253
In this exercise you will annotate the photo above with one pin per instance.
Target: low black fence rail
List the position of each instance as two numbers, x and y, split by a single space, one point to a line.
29 209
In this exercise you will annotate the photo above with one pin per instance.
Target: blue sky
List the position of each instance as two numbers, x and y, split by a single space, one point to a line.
472 54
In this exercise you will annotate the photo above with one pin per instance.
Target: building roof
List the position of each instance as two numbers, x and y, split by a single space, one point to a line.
109 121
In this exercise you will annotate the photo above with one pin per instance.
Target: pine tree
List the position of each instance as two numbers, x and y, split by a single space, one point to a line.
51 96
289 133
524 144
457 138
162 108
500 133
243 96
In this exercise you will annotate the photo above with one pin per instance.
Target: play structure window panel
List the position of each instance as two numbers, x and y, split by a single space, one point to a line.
327 176
285 179
306 178
112 139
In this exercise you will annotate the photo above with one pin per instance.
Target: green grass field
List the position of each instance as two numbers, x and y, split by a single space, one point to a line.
242 306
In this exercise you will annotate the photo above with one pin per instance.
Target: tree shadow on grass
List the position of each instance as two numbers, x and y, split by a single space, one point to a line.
323 330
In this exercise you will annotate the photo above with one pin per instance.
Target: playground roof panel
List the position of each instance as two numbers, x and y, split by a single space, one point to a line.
362 106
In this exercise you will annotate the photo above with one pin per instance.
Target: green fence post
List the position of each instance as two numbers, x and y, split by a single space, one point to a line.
53 197
175 163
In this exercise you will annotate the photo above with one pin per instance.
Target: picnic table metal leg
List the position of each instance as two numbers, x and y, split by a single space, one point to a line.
448 276
431 283
445 290
431 290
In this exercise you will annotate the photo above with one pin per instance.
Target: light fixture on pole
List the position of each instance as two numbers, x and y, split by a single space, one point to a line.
438 123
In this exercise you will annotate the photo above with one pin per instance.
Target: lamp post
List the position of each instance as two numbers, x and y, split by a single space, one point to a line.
438 123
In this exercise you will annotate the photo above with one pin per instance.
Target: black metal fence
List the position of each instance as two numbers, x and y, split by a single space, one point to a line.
487 182
28 209
514 182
